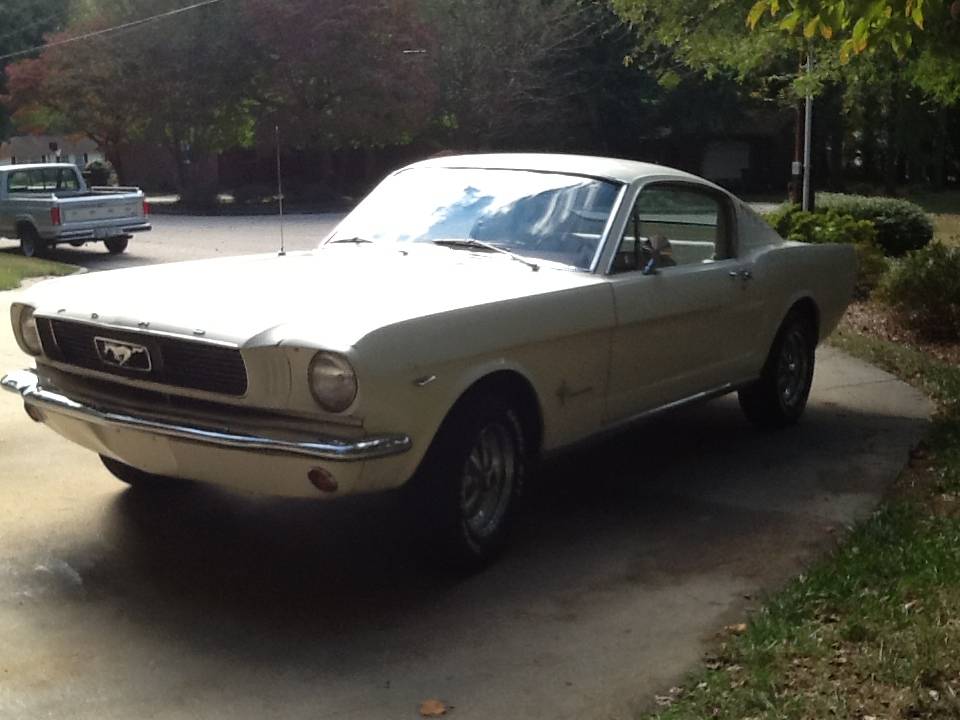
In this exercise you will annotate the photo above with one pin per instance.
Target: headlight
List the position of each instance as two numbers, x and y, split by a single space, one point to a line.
332 381
25 327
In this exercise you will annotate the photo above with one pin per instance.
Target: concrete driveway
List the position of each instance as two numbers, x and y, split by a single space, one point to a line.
196 604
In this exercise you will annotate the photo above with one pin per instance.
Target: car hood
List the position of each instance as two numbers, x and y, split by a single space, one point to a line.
334 296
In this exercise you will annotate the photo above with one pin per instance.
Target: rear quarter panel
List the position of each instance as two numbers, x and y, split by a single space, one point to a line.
791 272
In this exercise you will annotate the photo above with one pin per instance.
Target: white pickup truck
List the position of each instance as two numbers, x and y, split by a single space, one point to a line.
43 205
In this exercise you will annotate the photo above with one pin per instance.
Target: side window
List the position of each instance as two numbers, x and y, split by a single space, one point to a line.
680 225
18 182
51 178
35 180
68 180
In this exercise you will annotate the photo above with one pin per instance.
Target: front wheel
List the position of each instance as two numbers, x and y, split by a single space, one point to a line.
780 396
116 245
468 484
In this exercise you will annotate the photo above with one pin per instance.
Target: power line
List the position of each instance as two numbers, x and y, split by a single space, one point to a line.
115 28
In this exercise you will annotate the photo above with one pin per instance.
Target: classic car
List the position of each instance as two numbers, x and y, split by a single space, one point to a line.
50 203
472 315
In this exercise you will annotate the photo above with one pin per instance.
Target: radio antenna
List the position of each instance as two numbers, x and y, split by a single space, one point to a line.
276 132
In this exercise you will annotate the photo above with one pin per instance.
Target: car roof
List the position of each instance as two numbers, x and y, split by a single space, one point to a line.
34 166
616 169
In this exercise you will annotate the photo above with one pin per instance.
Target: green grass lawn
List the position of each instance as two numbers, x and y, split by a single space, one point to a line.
14 268
944 207
946 228
873 630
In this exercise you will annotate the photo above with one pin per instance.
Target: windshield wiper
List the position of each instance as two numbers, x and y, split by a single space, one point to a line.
354 240
474 244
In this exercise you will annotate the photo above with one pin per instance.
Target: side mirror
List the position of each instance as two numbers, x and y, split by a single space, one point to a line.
653 261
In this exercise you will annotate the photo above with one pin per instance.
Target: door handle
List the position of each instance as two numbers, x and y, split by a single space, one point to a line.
741 275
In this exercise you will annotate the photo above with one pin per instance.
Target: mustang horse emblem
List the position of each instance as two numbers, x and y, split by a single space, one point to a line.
123 354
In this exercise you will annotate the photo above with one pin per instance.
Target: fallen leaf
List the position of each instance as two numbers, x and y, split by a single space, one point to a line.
737 629
432 708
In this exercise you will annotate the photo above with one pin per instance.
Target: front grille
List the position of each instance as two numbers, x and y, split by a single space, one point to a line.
172 361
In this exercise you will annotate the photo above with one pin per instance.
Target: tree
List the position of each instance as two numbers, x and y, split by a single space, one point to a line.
873 104
858 24
23 24
342 74
183 82
508 71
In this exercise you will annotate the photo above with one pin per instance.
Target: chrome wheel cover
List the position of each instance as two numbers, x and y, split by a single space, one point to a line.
488 479
793 369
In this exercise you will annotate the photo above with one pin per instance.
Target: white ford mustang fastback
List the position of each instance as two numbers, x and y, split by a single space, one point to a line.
471 315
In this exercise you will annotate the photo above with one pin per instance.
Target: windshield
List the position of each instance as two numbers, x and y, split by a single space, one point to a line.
547 216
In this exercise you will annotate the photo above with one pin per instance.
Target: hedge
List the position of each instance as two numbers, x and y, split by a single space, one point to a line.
901 225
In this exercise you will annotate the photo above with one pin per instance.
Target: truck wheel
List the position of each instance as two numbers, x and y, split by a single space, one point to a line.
137 478
31 244
467 487
116 245
779 397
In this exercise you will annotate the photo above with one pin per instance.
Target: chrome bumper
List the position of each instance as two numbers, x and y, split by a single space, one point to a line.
66 235
27 384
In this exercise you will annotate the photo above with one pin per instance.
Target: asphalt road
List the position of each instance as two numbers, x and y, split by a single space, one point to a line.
198 604
178 237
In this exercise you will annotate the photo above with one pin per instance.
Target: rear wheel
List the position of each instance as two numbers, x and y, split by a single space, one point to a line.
780 396
137 478
31 244
116 245
468 484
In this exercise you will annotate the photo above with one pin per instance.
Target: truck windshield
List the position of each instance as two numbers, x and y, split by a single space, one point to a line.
547 216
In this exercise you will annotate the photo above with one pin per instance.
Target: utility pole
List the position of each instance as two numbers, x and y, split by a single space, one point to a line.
808 201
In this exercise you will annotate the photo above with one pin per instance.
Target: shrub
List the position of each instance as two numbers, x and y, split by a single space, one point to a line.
924 291
99 172
834 227
901 225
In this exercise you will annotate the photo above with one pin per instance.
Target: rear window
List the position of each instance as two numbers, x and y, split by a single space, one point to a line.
43 180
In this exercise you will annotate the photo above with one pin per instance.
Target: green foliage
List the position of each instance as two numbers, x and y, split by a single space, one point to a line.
857 24
921 32
901 225
832 226
924 290
99 172
821 227
23 23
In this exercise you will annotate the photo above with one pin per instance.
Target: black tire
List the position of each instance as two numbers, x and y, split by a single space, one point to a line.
466 490
779 397
31 244
116 245
138 478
